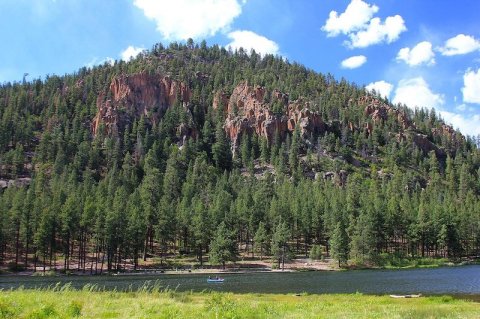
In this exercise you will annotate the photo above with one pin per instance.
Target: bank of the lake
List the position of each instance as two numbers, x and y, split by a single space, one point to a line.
168 304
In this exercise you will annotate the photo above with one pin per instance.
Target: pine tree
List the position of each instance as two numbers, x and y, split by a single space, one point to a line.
339 244
261 240
279 247
223 246
222 155
136 226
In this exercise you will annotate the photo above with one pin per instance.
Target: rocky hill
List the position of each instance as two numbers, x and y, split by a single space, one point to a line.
188 144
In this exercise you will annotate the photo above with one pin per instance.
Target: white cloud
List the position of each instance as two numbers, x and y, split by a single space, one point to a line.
460 44
358 23
250 40
354 62
422 53
96 61
381 87
183 19
471 87
377 32
416 92
467 125
130 52
355 17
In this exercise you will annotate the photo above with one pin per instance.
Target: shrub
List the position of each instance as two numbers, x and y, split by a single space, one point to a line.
75 309
316 252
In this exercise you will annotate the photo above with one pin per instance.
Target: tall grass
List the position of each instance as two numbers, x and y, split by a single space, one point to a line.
154 301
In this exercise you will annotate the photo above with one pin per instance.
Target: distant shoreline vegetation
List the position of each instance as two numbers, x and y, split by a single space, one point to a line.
383 262
197 156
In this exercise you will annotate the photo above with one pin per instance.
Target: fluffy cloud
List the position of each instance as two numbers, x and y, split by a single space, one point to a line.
381 87
358 24
355 17
422 53
96 61
460 44
130 52
466 124
354 62
471 86
377 32
183 19
416 92
250 40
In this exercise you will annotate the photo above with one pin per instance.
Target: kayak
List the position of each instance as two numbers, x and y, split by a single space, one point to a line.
406 296
215 280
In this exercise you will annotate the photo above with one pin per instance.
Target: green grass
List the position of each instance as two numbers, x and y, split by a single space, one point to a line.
390 261
151 302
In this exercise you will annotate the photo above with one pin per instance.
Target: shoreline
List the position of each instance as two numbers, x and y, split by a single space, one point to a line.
229 270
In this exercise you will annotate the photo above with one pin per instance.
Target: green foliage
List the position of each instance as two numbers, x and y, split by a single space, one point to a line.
151 188
223 247
75 309
222 155
339 244
261 240
279 246
316 252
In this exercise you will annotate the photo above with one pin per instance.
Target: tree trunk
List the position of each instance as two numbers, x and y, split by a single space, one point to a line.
35 261
26 251
146 244
17 245
44 260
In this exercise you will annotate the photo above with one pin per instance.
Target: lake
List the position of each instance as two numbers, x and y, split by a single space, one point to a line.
445 280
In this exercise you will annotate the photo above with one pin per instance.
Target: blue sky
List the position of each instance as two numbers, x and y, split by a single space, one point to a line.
417 52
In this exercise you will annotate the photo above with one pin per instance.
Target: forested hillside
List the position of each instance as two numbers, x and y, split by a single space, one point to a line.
199 150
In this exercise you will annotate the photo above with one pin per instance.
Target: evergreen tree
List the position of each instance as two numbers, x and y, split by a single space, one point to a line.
223 246
279 246
339 244
261 240
222 155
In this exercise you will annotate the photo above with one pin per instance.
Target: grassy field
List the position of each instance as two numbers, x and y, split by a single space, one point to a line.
63 302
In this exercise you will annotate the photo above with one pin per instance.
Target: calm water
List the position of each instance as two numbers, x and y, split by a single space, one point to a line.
448 280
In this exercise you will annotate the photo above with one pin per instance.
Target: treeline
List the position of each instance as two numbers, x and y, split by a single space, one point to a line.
110 201
190 206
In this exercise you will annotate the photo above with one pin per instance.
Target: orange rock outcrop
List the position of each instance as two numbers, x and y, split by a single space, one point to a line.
136 95
249 111
380 112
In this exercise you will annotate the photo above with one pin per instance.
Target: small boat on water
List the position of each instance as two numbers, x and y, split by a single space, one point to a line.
215 280
406 296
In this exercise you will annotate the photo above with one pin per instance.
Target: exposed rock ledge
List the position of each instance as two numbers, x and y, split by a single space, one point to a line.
247 111
132 96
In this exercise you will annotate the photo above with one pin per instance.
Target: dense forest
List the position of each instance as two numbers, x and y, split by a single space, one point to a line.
197 150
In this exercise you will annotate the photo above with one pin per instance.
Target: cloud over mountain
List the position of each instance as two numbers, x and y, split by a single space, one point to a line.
183 19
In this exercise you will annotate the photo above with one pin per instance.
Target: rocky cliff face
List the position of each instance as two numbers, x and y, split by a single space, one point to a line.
380 112
136 95
247 110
